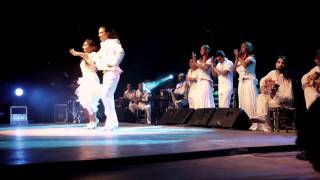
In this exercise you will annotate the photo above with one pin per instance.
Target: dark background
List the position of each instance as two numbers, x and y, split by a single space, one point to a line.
157 36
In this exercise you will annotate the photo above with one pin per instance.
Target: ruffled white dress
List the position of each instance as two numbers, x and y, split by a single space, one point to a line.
88 91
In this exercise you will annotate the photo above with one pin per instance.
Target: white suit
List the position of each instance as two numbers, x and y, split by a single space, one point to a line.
108 59
225 83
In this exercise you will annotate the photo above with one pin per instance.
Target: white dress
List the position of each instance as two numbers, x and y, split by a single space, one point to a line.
89 88
204 88
247 87
192 94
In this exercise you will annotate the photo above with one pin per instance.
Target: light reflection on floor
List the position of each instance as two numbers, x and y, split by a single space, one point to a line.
80 130
60 136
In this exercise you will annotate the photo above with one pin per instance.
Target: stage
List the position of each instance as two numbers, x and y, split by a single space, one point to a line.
73 142
71 150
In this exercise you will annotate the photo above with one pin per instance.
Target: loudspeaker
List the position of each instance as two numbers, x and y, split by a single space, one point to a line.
176 116
234 118
182 116
125 115
200 117
167 117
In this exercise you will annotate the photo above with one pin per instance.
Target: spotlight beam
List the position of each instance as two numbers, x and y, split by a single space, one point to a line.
153 84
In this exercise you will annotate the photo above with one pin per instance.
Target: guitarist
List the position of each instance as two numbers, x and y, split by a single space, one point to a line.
276 91
179 94
140 101
310 82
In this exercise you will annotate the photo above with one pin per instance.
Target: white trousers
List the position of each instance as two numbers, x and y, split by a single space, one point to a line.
263 103
141 106
110 82
224 96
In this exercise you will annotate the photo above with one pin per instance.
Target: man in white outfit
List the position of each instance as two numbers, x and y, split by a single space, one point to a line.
129 92
224 71
276 91
141 101
180 92
309 81
108 59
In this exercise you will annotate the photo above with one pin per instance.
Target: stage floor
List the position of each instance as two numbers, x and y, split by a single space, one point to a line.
34 144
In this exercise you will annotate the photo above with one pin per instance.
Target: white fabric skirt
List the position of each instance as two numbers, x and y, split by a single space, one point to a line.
204 95
88 93
248 94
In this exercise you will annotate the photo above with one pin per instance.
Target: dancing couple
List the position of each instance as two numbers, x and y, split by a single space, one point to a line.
106 59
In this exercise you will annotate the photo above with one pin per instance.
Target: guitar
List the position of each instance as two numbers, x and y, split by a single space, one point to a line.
271 87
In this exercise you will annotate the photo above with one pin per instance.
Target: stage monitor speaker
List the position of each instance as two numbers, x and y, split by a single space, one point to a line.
168 116
200 117
125 115
182 116
233 118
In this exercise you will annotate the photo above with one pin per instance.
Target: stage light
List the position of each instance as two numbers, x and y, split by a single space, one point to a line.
19 92
153 84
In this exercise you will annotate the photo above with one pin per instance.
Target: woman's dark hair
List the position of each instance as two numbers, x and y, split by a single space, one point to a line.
111 32
92 44
250 47
220 53
208 49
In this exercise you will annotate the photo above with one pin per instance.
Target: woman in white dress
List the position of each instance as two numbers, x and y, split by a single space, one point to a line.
88 90
245 65
192 82
204 87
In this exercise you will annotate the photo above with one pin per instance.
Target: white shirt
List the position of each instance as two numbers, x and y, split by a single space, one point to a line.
225 80
203 75
88 70
109 56
192 74
181 88
285 91
129 94
250 71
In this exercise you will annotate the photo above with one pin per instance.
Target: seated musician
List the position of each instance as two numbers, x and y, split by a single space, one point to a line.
128 96
311 82
179 94
141 101
276 91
